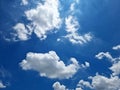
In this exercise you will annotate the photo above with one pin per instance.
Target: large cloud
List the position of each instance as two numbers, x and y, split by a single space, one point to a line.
44 18
49 65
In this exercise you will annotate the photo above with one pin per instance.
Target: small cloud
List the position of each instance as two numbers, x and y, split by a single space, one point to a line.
2 85
116 47
58 86
21 32
24 2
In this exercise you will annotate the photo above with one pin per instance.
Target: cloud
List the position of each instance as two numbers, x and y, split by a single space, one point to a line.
24 2
100 82
116 47
83 83
86 65
58 86
72 27
101 55
22 32
49 65
45 17
104 83
116 68
2 85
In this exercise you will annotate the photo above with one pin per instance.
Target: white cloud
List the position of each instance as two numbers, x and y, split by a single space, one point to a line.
58 86
24 2
101 55
86 65
104 83
45 17
116 68
83 83
116 47
2 85
72 27
49 65
22 33
72 24
100 82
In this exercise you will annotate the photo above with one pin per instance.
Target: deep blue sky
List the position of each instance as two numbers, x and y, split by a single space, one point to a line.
100 17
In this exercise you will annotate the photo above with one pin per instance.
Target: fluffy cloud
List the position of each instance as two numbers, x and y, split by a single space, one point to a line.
45 17
100 82
72 27
116 47
104 83
58 86
22 33
49 65
2 85
116 68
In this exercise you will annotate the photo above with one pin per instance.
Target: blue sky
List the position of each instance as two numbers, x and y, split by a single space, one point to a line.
59 45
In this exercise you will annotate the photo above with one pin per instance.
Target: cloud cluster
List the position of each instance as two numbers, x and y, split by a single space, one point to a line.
44 18
49 65
101 82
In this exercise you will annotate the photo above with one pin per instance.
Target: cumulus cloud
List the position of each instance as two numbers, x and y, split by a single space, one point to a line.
58 86
100 82
72 27
104 83
116 68
49 65
2 85
116 47
22 33
45 17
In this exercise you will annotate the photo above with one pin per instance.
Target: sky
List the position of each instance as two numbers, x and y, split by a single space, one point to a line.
59 45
